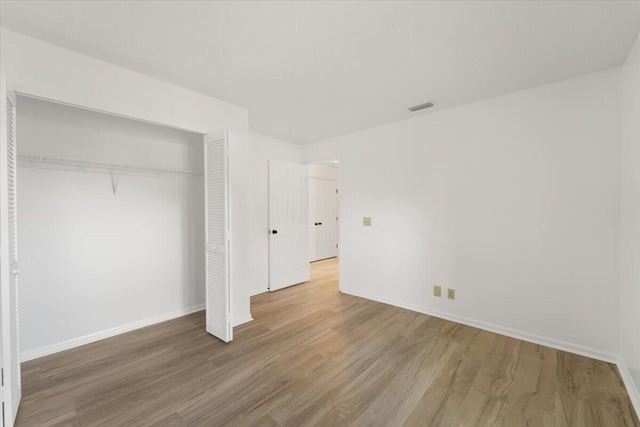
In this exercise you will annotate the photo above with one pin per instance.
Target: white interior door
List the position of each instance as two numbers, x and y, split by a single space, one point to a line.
9 267
288 224
327 207
218 295
313 219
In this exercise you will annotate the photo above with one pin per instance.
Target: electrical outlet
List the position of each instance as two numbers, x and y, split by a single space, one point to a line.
366 221
451 293
437 291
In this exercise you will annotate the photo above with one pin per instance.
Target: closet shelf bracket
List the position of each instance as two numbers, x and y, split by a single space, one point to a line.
115 177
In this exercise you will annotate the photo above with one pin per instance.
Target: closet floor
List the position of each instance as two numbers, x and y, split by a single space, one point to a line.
314 356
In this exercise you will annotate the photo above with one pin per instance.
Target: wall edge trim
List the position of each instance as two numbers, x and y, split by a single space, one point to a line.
632 389
241 320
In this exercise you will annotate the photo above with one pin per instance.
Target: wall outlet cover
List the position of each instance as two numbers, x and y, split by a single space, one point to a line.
451 293
366 221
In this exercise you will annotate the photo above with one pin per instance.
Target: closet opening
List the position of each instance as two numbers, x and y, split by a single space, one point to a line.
111 229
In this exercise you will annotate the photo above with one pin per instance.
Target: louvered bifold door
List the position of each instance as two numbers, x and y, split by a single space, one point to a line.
9 267
218 295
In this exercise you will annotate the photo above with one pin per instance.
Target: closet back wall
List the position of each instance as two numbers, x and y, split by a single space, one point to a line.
94 263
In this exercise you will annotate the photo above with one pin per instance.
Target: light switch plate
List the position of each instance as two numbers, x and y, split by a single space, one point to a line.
366 221
437 291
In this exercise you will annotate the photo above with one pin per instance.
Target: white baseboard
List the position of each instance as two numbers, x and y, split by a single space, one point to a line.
96 336
502 330
258 291
16 404
242 319
632 388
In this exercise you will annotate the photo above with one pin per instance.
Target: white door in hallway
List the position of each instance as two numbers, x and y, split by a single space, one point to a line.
9 267
327 219
323 219
288 224
313 221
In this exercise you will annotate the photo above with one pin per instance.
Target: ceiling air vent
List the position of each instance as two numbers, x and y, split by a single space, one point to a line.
421 106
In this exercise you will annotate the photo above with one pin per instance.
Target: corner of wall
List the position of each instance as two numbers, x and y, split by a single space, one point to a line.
629 320
632 390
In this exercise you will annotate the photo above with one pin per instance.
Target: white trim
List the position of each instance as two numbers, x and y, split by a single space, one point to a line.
241 320
16 404
259 291
632 390
322 179
513 333
97 336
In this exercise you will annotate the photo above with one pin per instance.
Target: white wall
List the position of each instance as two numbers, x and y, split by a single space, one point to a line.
513 201
40 69
630 232
323 172
91 260
261 149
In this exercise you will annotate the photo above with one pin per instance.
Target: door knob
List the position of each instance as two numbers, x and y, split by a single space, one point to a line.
274 231
316 223
319 223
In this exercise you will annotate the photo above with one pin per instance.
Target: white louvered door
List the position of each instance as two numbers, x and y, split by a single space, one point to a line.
9 267
218 292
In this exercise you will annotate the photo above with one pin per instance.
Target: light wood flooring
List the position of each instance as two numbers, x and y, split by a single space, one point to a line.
313 356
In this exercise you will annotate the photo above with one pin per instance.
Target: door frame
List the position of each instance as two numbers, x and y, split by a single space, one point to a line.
316 160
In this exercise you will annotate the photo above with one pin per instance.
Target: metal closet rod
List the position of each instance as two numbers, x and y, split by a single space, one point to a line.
101 165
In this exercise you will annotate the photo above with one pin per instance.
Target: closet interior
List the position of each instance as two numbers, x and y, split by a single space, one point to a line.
111 222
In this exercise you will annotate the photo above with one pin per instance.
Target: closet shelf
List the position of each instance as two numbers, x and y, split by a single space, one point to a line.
108 167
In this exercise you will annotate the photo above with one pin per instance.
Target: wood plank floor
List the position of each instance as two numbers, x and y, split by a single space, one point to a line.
313 356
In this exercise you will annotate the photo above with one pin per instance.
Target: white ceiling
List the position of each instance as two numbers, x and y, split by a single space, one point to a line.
312 70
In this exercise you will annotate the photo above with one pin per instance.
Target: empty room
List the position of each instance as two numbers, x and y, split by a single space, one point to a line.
320 213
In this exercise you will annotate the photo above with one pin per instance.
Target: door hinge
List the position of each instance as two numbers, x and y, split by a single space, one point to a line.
336 191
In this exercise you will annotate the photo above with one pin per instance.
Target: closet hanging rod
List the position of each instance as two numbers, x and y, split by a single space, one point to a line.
33 160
